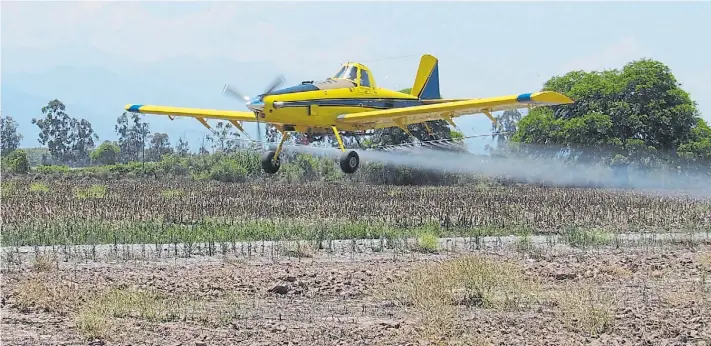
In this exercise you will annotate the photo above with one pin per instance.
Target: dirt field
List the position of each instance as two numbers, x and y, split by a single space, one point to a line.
519 293
199 263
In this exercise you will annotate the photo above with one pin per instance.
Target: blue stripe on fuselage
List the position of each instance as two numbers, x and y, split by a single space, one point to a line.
359 102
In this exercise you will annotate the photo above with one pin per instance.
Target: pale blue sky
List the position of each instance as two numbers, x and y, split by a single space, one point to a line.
485 49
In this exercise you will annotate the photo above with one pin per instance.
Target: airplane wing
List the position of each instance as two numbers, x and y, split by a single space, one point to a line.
198 113
234 117
448 110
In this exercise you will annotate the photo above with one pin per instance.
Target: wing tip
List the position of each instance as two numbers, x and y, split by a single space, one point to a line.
133 108
523 98
544 98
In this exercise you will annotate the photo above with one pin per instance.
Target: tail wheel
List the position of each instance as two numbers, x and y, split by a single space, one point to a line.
350 162
269 165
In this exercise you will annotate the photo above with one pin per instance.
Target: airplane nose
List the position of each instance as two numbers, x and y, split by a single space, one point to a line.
256 104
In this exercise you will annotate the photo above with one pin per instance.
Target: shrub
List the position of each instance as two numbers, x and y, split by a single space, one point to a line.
17 162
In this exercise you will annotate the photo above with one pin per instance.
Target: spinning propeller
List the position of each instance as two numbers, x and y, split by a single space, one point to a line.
234 93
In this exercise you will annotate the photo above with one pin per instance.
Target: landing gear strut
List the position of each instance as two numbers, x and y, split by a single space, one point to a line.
349 160
270 159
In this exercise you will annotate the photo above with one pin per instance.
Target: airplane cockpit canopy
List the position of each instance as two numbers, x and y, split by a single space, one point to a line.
349 72
354 73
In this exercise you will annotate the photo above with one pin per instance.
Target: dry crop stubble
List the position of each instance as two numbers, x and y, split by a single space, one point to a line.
163 212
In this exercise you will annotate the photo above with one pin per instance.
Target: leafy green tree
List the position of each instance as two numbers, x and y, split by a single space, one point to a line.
181 147
81 137
224 138
132 134
107 153
159 146
55 128
638 115
506 125
9 137
203 149
69 140
697 151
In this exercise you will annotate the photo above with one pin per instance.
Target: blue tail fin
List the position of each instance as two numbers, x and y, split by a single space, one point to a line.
426 85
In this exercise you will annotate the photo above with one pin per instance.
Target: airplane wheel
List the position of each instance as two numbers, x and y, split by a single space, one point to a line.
268 164
350 162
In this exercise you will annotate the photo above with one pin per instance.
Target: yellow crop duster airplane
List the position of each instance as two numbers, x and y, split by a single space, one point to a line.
351 101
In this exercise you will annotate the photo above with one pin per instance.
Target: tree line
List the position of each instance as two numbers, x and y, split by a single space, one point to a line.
72 142
634 117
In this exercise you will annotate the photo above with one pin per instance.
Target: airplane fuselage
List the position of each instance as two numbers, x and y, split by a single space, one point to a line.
315 106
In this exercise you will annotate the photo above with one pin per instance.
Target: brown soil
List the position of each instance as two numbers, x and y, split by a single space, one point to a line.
627 296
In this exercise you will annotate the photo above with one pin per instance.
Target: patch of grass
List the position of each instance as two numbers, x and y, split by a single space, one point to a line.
705 260
298 249
584 308
95 191
48 292
8 188
436 292
145 305
43 263
172 193
39 187
93 325
154 306
97 313
427 242
524 245
584 238
616 271
483 282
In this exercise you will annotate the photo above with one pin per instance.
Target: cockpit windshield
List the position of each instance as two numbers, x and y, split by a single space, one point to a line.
347 72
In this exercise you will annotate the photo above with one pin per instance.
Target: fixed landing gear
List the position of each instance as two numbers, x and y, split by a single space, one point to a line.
269 163
349 160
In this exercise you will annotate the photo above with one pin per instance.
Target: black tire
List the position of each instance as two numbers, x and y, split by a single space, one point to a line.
268 163
350 162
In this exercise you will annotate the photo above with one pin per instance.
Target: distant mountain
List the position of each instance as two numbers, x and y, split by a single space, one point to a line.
99 94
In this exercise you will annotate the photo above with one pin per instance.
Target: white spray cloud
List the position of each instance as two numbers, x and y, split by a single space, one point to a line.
549 171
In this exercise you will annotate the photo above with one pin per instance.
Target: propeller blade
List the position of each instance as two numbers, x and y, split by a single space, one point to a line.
277 82
232 91
259 133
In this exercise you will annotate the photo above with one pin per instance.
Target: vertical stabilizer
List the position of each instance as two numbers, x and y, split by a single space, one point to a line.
426 85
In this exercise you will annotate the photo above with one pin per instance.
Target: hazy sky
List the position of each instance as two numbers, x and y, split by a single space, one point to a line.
485 48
